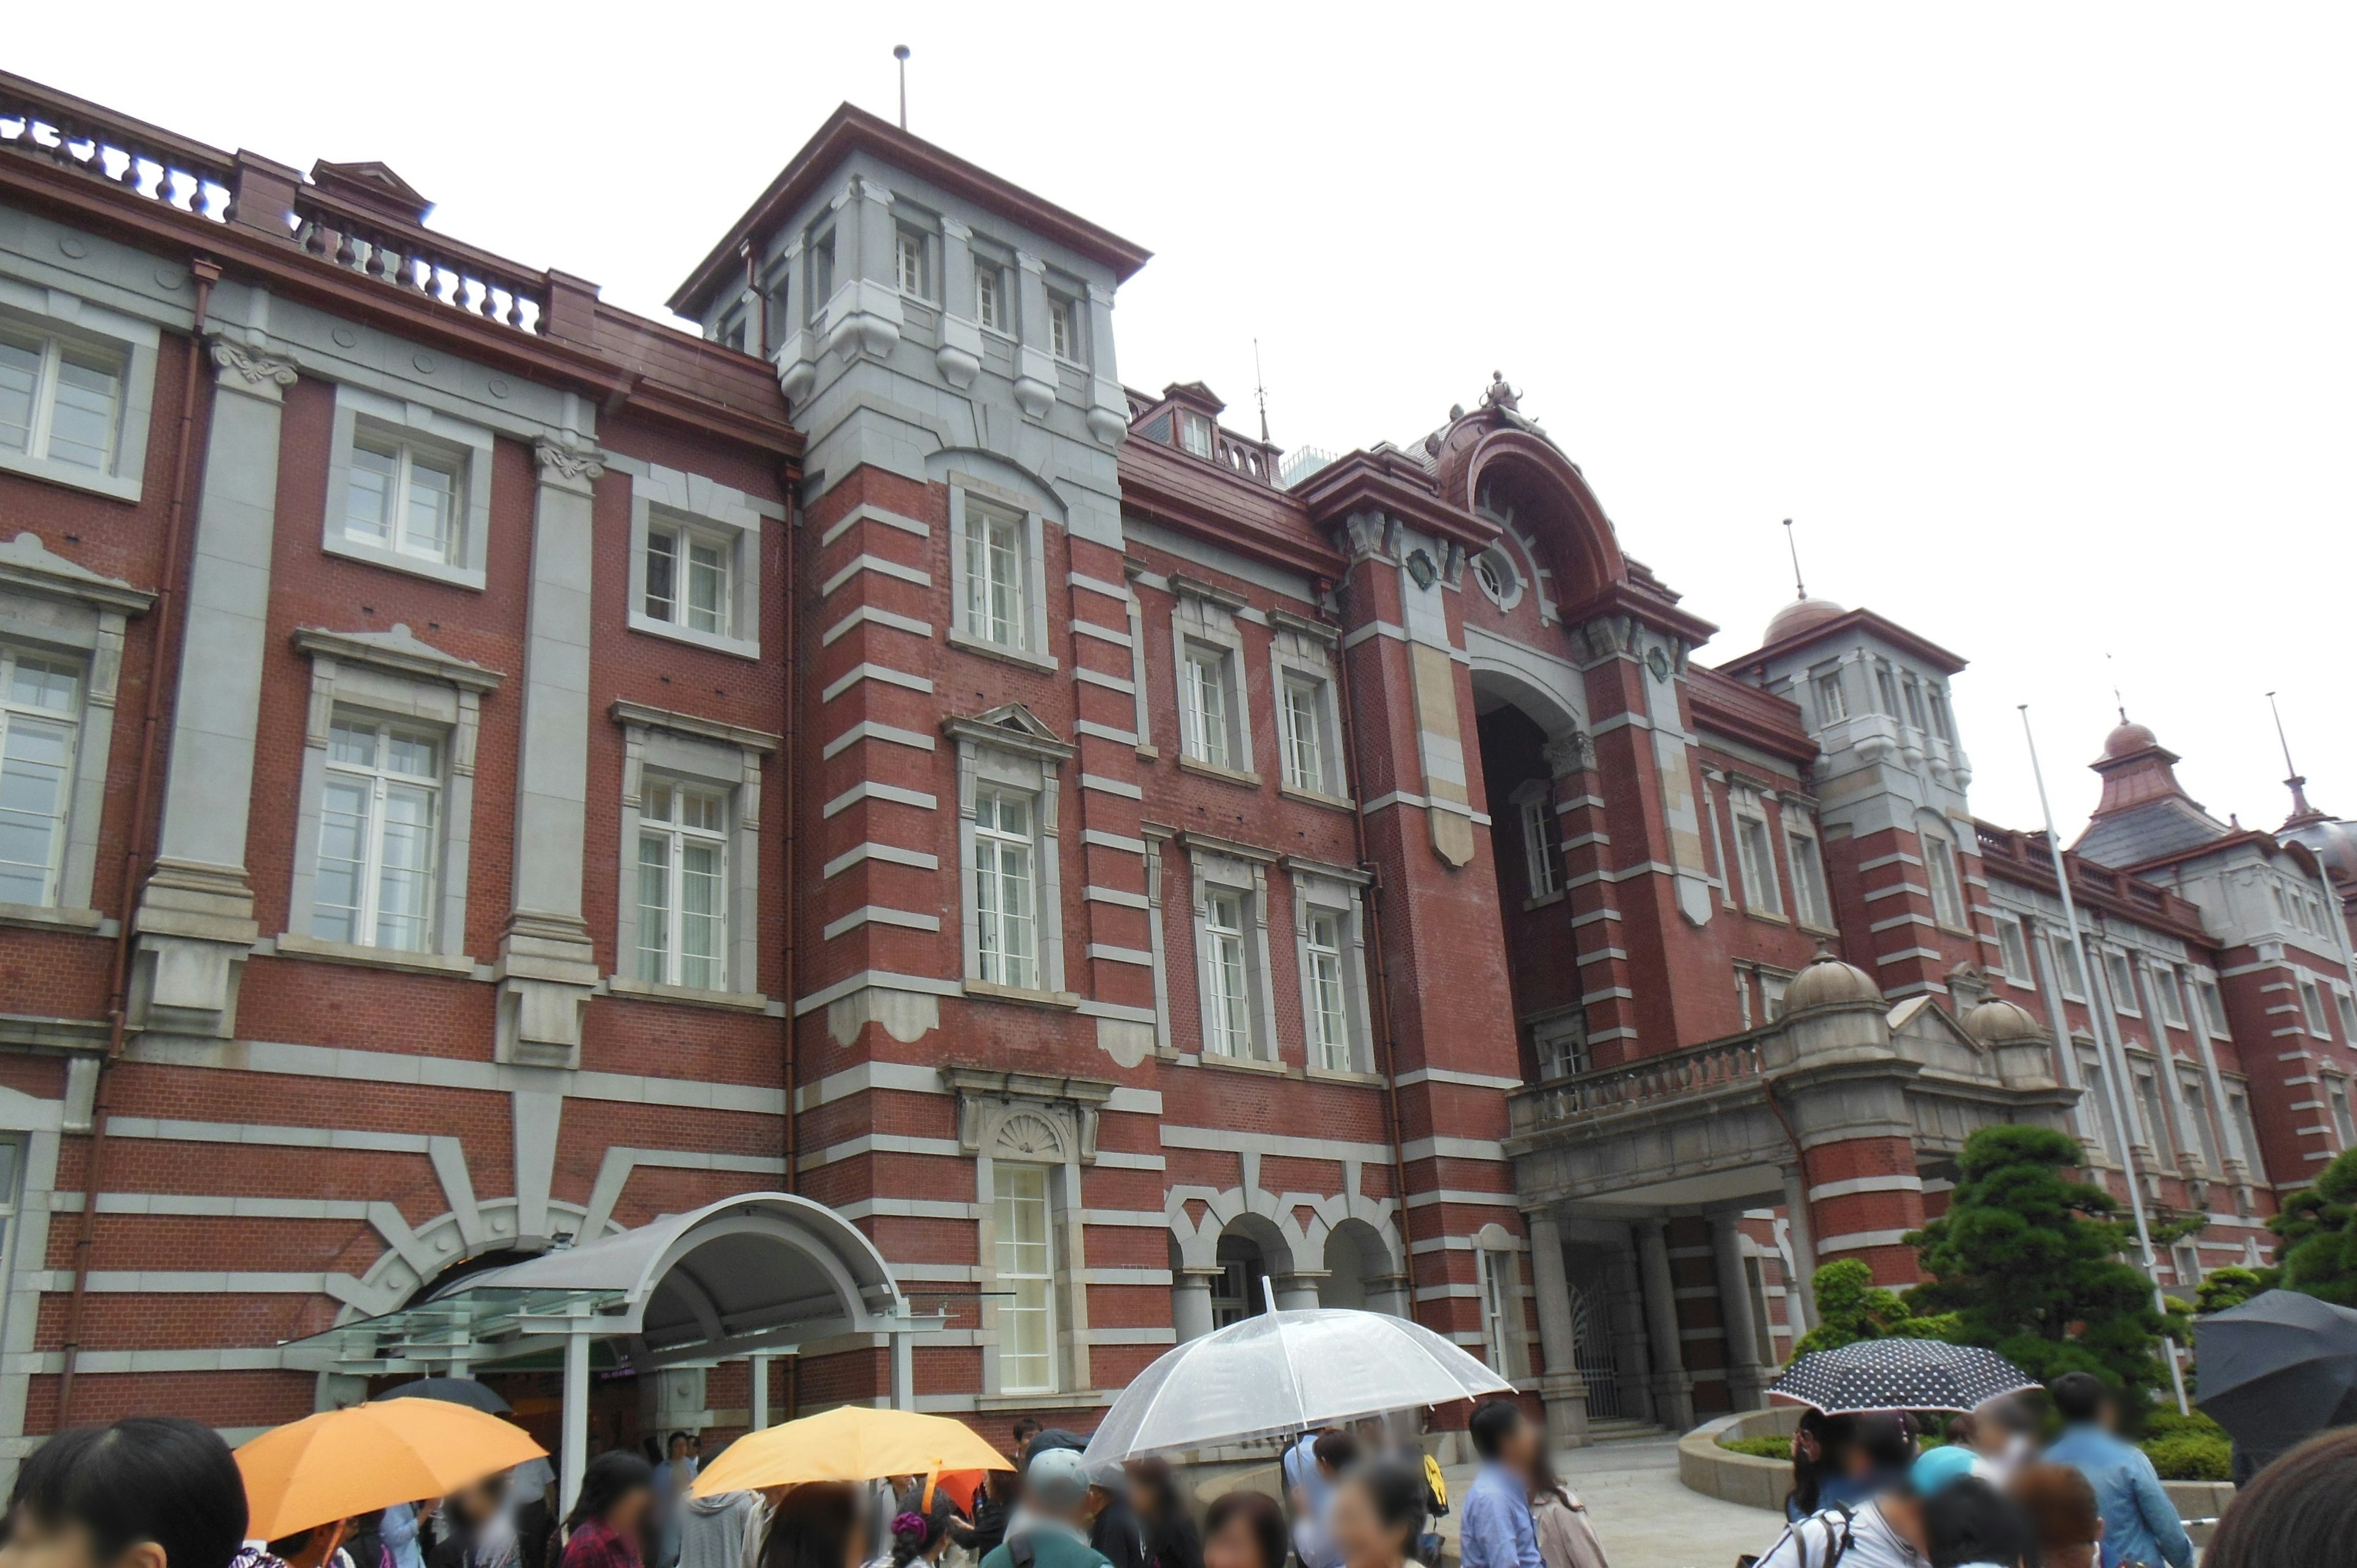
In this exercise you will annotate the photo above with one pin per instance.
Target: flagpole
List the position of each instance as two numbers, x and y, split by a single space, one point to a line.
2115 1070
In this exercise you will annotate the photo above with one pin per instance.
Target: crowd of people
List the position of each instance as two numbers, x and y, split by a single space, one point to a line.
1868 1493
159 1492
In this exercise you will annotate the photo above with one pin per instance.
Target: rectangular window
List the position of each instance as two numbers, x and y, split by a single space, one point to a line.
1027 1278
909 261
1195 433
2347 1011
1561 1044
997 567
2336 1098
1205 704
1939 705
822 274
2213 1007
1064 327
2101 1132
402 499
39 705
1809 897
1947 887
2197 1110
990 296
2238 1111
2013 950
1542 859
2172 1000
377 835
688 578
1329 1021
2073 973
1772 995
2312 1003
1497 1291
1914 704
2156 1119
1831 706
2121 974
1889 689
683 906
1004 898
59 401
1305 735
1755 856
1228 1031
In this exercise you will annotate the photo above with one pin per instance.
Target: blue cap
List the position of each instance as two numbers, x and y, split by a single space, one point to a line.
1938 1466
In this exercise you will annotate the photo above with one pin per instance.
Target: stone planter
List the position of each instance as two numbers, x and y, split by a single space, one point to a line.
1722 1473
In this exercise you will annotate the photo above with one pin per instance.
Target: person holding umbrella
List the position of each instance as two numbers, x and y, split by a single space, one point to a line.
148 1492
2140 1524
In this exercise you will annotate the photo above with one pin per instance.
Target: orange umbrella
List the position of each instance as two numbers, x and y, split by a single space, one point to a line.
849 1442
340 1463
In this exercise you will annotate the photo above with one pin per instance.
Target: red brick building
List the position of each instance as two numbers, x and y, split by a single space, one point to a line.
1187 875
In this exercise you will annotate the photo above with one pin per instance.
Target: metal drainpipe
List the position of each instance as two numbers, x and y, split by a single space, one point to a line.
792 815
207 272
1382 965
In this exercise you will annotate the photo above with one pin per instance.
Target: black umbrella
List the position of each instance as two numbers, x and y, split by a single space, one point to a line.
1900 1374
451 1391
2280 1368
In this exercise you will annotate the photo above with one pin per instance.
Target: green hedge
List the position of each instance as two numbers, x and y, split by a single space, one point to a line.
2190 1456
1768 1447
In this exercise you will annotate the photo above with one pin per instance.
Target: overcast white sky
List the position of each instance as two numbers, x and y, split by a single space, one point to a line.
2038 319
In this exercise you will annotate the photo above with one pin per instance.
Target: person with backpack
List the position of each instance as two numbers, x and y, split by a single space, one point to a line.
1886 1530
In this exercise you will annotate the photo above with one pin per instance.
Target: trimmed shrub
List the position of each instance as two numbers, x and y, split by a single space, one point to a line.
2191 1457
1768 1447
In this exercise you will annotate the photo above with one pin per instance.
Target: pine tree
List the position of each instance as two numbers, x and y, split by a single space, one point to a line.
1851 1307
2319 1242
2032 1265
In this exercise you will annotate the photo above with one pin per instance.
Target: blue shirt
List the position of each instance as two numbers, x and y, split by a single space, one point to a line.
1496 1531
2140 1524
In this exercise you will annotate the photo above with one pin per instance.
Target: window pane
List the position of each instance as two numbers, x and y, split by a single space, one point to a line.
654 906
405 880
708 587
411 754
81 416
1026 1271
343 835
368 495
41 683
661 561
700 920
352 742
34 761
1304 759
20 375
433 492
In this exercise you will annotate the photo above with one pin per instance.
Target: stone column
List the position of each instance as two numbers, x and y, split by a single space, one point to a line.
1673 1389
1561 1386
196 916
546 967
1190 1303
1391 1293
1628 1351
1298 1292
1747 1380
1804 1243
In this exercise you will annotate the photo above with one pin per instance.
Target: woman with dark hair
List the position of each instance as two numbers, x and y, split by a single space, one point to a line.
2063 1513
1171 1540
1821 1446
148 1492
1970 1524
606 1528
1246 1529
2298 1512
1565 1538
1376 1514
919 1537
816 1526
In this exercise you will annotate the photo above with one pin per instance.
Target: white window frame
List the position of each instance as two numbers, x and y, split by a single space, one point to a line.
2337 1108
1231 872
1825 689
2151 1108
1500 1302
1943 877
2213 1006
1535 815
2311 1005
998 1124
60 319
468 448
1032 646
1772 995
67 722
2013 947
1003 855
1301 661
675 835
682 749
2199 1111
2164 988
1004 1174
1335 893
694 505
2119 973
395 677
1755 863
378 779
913 262
1067 327
2237 1111
991 295
1009 749
1559 1041
1203 621
1196 435
1813 899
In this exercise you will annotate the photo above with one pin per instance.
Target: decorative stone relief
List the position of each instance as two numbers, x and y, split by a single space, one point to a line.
1028 1116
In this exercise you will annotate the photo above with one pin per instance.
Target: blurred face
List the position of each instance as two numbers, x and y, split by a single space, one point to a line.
1141 1496
1358 1530
1232 1545
627 1517
36 1544
1519 1451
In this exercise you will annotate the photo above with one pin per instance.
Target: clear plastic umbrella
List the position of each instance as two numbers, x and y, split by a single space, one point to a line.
1285 1372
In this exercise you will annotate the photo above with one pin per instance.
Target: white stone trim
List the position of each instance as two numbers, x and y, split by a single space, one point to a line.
54 312
1209 869
690 750
468 444
708 507
879 672
1017 754
1034 648
1301 651
1208 622
1312 891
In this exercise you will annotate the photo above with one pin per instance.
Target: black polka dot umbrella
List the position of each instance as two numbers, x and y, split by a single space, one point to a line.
1900 1374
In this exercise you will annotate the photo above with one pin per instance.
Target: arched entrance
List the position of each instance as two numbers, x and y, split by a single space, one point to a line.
758 1275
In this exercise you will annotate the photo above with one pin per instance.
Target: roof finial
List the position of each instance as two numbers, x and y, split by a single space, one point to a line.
1799 589
2293 781
2117 702
901 53
1260 391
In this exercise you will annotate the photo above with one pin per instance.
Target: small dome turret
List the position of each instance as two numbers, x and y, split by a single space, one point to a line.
1997 1022
1828 981
2127 739
1801 616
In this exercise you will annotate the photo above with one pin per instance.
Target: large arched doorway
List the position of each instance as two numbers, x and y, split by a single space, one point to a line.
1527 724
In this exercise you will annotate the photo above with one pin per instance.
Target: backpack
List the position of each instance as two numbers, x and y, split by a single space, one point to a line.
1836 1546
1435 1486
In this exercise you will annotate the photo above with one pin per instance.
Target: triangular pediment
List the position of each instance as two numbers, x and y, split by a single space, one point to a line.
373 186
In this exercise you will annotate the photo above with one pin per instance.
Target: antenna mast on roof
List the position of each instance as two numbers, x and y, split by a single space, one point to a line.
2117 702
2292 780
901 53
1799 589
1260 391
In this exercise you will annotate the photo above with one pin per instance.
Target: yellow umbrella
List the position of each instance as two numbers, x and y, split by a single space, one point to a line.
340 1463
850 1443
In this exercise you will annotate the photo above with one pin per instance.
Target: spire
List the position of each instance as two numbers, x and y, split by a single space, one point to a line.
2301 811
1799 589
1260 391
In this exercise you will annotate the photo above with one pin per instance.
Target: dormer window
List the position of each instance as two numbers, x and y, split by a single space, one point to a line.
1194 431
990 296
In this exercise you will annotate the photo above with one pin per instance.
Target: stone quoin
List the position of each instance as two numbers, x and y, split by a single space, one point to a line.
856 855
